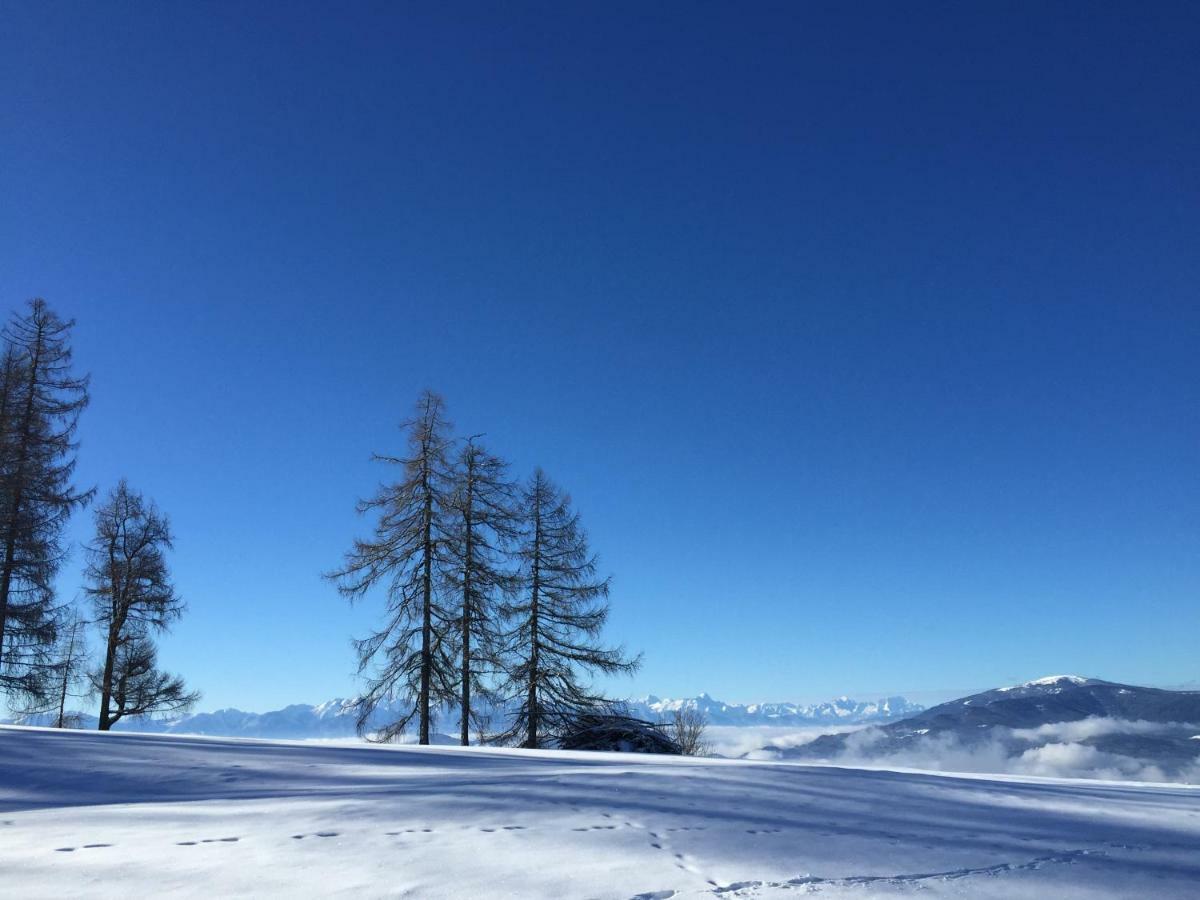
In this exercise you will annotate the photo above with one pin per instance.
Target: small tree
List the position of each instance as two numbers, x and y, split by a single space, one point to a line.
555 624
412 652
133 599
71 669
687 727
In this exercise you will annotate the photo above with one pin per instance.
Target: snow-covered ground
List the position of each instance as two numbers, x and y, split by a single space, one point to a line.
84 814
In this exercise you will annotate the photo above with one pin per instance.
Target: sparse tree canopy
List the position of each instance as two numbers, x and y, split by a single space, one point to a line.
40 403
411 654
138 687
687 726
133 599
554 626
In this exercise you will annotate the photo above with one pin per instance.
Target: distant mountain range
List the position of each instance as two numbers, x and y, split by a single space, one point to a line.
336 718
841 711
1117 725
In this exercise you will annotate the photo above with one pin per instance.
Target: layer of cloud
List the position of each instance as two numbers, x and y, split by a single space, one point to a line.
1059 752
1093 726
736 741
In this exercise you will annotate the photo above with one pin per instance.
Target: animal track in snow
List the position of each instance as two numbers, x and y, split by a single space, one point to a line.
1066 858
85 847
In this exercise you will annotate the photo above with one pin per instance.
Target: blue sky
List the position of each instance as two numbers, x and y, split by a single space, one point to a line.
865 338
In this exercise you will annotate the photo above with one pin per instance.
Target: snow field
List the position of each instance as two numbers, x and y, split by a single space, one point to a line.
84 814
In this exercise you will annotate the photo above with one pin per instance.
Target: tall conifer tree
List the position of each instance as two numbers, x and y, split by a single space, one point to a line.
554 627
40 402
482 524
410 655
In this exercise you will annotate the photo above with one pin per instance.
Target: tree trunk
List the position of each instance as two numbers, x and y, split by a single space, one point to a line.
62 697
531 700
106 682
115 626
427 610
468 565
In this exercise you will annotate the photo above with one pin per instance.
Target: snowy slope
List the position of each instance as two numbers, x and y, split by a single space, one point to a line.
84 814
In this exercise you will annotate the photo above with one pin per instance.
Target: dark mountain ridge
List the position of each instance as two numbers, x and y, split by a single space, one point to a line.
1152 726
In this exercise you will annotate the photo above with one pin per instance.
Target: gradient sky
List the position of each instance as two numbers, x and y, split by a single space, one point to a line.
865 336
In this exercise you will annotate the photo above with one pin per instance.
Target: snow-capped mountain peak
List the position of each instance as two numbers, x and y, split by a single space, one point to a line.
337 717
841 710
1052 681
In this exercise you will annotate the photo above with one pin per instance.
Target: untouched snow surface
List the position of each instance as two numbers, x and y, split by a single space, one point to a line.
84 814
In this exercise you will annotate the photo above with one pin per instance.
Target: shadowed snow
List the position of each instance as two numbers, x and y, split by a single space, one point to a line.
91 815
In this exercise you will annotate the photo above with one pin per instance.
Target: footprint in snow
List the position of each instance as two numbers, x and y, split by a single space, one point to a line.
85 847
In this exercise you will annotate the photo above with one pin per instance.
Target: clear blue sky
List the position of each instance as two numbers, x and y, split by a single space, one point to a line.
866 337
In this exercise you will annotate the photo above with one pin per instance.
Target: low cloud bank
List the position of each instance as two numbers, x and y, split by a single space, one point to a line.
1058 752
736 741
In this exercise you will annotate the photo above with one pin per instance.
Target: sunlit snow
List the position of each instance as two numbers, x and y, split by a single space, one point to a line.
84 814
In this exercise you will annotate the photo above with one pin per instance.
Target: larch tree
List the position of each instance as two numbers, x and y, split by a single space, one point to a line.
72 668
40 402
481 525
133 599
410 656
553 635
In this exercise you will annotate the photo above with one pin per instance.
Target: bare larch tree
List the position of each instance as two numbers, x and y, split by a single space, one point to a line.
133 599
554 626
481 525
410 655
72 668
40 403
687 726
